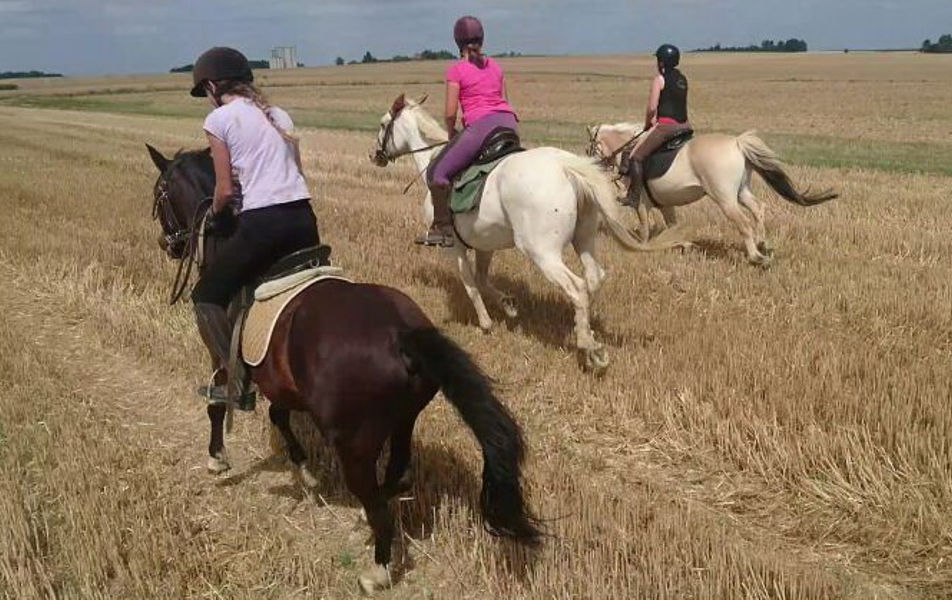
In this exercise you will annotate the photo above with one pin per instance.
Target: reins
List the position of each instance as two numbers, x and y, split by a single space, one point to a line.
187 259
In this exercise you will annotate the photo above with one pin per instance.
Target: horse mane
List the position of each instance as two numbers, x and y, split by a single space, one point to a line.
429 126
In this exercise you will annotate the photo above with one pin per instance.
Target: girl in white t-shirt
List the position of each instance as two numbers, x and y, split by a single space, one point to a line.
251 144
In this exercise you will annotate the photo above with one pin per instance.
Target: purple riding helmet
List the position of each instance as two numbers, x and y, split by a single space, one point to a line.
468 30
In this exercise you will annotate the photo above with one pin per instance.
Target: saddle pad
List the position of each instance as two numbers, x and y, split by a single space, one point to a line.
262 317
277 286
468 189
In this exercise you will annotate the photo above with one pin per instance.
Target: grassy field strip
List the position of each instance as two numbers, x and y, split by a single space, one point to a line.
808 149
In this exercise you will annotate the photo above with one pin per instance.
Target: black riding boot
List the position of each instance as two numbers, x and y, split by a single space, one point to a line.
216 330
636 182
441 231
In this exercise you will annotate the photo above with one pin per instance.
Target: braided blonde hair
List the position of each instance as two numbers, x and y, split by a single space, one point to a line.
251 92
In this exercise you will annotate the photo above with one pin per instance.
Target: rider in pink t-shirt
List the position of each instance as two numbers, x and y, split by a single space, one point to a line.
476 84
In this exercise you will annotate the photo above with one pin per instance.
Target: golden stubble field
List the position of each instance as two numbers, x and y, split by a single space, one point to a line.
760 434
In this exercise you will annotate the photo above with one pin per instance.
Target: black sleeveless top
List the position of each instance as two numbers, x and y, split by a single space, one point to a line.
673 103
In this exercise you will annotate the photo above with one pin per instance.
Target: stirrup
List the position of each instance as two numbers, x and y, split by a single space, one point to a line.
436 238
218 394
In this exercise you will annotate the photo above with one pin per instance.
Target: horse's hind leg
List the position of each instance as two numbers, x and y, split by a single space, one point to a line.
749 201
395 481
217 459
584 243
358 459
728 202
281 419
593 353
505 301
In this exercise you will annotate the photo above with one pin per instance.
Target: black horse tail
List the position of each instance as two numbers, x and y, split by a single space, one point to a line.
500 437
767 164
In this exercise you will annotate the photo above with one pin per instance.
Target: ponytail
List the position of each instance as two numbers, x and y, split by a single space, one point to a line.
476 57
251 92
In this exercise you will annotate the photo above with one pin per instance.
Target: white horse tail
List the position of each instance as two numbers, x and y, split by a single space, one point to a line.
768 165
591 184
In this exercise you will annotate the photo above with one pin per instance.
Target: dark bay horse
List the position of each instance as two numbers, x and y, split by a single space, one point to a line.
363 360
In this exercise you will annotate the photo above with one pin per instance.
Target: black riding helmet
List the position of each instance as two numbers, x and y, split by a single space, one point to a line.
669 56
217 64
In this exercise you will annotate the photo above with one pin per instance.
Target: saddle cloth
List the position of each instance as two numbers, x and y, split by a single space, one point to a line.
258 323
468 187
658 163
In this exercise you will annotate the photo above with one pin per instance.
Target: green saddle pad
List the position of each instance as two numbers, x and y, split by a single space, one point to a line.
468 188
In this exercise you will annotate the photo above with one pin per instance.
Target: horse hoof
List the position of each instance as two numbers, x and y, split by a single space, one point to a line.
509 307
307 478
218 464
596 360
761 261
486 328
374 580
764 249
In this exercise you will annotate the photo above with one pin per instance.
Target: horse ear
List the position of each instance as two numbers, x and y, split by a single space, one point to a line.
160 161
399 104
423 99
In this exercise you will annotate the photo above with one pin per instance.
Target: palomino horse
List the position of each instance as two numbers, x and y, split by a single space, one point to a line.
538 201
715 165
363 360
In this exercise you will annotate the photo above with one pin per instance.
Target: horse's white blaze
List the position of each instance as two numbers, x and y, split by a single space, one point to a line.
538 201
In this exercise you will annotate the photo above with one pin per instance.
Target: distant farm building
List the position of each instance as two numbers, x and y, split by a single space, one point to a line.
283 57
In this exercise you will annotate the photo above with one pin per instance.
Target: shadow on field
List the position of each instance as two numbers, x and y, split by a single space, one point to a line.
443 485
717 249
549 318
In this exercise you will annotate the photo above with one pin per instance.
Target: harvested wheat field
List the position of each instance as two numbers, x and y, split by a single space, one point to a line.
761 433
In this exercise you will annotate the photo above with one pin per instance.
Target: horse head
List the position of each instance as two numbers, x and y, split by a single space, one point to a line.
397 130
183 182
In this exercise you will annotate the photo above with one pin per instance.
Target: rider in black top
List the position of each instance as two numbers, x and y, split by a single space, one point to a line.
666 117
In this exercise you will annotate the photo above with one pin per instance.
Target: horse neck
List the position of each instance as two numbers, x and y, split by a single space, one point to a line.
416 140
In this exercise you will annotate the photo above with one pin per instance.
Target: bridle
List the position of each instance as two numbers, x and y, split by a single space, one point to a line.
595 150
382 155
181 240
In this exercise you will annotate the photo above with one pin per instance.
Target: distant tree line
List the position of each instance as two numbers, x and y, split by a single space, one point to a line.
26 74
791 45
944 45
255 64
369 58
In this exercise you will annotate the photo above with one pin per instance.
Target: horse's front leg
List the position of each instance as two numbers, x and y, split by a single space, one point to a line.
281 420
472 290
505 301
217 459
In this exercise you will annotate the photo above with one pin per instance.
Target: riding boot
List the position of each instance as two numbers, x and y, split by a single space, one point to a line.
216 331
441 231
636 182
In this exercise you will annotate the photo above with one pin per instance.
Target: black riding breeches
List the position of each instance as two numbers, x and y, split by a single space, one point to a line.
263 236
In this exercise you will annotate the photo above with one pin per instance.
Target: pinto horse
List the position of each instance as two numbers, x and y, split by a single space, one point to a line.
363 360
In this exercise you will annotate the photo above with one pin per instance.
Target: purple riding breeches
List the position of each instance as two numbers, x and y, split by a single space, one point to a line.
463 149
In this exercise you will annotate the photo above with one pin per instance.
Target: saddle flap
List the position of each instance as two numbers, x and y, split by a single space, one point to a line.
658 163
500 142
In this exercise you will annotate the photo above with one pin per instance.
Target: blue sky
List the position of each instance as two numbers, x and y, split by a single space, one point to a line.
143 36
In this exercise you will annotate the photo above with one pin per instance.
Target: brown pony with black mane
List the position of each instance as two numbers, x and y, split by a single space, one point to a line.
363 360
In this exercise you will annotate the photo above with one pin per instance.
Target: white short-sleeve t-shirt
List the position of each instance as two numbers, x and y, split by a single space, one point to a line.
261 157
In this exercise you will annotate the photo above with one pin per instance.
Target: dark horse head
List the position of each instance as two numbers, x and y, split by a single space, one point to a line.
183 182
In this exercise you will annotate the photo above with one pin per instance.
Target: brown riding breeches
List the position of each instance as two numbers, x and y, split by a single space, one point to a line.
655 138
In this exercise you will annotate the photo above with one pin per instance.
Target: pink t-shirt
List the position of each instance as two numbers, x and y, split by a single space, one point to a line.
480 90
